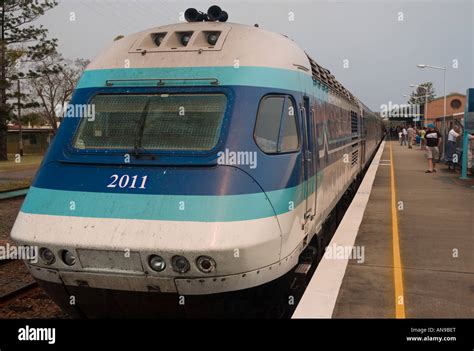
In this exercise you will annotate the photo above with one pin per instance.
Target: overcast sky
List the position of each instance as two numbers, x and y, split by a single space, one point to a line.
381 47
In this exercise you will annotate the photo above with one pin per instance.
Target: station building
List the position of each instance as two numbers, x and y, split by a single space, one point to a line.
455 104
36 140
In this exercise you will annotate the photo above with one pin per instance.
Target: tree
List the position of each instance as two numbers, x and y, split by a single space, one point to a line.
52 89
17 30
418 95
18 99
33 119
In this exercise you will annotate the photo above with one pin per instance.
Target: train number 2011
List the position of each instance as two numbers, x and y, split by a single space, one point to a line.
125 181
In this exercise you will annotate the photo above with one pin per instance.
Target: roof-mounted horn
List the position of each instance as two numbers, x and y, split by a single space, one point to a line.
214 14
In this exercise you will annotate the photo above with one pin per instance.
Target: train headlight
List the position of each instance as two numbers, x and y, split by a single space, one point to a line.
158 39
206 264
157 263
185 38
180 264
212 38
47 256
68 258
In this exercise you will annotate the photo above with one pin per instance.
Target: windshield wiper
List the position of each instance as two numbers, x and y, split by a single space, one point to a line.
140 152
137 144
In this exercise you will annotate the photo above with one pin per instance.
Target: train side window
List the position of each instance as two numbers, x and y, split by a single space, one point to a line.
276 130
267 128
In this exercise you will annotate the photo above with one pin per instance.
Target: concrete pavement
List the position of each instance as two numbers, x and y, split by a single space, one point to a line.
436 235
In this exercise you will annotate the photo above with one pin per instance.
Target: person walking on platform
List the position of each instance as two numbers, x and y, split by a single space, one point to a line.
404 136
410 134
433 141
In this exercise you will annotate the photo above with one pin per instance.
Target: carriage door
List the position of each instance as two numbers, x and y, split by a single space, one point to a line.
308 163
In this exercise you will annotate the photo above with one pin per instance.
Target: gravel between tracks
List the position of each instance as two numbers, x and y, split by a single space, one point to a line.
8 211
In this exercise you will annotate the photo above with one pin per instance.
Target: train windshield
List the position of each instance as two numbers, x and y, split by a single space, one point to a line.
153 122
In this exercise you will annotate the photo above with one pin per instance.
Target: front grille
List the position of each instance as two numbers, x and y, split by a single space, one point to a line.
110 260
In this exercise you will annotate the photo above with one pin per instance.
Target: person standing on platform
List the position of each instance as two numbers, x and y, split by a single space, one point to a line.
404 136
453 134
410 134
423 139
433 141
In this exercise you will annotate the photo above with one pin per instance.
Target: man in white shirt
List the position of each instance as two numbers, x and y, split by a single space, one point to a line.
453 134
404 136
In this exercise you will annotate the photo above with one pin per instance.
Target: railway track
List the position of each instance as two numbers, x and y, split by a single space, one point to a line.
20 296
11 194
21 288
18 289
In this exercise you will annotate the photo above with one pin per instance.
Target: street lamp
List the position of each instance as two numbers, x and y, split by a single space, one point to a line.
426 97
444 88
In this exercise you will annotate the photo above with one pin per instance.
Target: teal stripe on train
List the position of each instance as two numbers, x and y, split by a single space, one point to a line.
227 75
161 207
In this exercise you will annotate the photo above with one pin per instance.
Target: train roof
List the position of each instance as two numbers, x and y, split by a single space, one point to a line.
237 44
251 46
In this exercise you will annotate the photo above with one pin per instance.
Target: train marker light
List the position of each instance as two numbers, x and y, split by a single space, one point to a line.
180 264
206 264
68 258
212 38
185 38
157 263
158 39
47 256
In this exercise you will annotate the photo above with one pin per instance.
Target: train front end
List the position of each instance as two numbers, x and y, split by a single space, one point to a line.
138 196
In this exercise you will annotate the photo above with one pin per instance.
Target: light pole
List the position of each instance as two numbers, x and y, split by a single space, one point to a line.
444 89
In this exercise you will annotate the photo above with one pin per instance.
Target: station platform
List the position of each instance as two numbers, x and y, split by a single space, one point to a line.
412 240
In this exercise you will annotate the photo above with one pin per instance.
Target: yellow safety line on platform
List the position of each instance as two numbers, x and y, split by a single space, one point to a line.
397 262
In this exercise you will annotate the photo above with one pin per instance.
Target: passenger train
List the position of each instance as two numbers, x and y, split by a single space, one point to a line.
215 153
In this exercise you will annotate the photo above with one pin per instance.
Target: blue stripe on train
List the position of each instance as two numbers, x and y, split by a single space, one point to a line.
163 207
267 77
